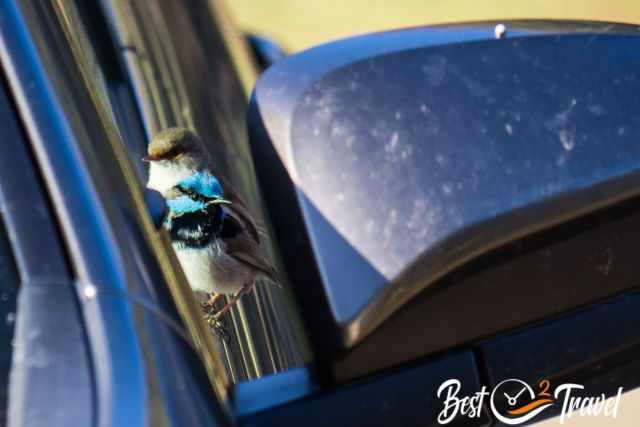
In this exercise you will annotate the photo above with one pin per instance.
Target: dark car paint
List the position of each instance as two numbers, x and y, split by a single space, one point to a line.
49 336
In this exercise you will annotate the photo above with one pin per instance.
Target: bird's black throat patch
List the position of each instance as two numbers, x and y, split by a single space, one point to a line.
195 229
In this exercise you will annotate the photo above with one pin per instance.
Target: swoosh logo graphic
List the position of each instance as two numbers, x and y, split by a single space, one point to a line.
529 407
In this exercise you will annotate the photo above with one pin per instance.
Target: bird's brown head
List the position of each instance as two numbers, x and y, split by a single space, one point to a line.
174 144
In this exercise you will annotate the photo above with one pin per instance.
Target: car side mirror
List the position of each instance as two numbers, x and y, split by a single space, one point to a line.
441 183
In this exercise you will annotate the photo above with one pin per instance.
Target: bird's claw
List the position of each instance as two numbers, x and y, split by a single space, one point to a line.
216 325
212 318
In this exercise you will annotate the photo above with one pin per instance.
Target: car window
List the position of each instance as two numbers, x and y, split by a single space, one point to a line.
95 119
189 52
105 82
181 75
144 85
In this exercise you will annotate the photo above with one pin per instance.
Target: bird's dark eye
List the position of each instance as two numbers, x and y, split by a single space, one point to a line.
173 153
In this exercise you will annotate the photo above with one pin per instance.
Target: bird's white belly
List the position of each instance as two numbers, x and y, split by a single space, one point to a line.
209 270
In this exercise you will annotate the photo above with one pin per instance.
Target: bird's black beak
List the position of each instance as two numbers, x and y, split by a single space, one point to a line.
150 158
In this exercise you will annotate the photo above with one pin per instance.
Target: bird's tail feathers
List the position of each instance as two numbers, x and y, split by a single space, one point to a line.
272 277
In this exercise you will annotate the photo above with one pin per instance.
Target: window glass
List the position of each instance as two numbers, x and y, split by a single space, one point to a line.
107 86
179 56
99 116
264 339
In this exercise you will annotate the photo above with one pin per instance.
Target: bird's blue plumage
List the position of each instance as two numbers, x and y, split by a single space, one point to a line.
202 183
215 238
193 219
185 204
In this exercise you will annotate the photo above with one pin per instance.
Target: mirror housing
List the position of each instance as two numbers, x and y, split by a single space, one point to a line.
407 170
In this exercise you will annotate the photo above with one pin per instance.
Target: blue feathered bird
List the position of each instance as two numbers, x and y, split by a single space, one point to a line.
214 235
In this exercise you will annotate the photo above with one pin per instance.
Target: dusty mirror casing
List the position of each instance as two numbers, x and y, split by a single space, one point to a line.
432 187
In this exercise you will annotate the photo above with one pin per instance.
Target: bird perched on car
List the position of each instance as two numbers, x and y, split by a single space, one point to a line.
215 237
